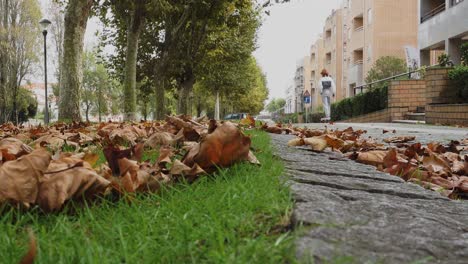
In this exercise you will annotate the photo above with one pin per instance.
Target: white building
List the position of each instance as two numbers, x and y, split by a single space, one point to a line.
290 108
443 27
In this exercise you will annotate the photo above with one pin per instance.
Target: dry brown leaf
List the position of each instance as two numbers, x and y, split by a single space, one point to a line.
252 159
29 257
159 139
316 143
222 148
374 157
20 178
334 142
13 148
296 142
434 163
69 179
248 121
400 139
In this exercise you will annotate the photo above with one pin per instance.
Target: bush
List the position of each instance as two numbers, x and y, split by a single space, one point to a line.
316 117
443 60
464 54
361 104
459 77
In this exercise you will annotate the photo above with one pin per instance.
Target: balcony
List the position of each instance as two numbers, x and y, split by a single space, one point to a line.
356 74
431 8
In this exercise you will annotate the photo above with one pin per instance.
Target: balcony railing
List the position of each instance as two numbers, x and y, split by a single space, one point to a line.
433 13
359 28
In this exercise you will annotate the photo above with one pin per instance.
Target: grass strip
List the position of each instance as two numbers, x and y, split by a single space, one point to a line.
239 215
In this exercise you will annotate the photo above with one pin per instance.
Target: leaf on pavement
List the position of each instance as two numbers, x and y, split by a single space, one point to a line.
400 139
373 157
318 144
296 142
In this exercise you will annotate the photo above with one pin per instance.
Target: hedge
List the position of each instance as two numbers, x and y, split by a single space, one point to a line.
361 104
459 77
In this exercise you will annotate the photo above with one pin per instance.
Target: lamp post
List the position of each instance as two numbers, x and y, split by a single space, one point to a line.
45 23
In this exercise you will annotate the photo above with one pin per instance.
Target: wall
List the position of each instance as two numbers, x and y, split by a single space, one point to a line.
407 94
383 116
447 114
439 90
448 24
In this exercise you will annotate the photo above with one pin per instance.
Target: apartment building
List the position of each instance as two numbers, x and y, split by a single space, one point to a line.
317 61
333 48
373 29
301 83
443 28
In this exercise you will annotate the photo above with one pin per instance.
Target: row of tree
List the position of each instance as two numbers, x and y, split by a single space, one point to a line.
198 52
19 49
169 55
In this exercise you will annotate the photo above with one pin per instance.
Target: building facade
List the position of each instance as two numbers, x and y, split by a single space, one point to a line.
301 83
443 28
317 60
374 29
333 48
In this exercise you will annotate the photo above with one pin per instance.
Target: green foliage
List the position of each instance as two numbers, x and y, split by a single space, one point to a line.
275 104
459 77
100 93
443 60
316 117
20 43
385 67
27 105
464 54
361 104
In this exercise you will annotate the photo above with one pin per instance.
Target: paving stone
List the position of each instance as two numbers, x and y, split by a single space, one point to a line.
352 213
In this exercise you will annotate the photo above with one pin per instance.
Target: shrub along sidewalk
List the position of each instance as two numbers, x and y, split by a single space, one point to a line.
239 215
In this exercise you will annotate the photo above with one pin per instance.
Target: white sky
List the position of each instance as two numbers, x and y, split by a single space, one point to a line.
285 37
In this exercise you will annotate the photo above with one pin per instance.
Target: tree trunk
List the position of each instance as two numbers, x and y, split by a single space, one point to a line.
133 35
87 113
160 101
76 18
184 91
217 117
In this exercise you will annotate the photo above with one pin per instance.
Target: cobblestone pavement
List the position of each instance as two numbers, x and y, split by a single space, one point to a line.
352 213
424 133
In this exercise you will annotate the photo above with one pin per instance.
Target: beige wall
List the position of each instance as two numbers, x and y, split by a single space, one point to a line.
333 48
387 26
316 66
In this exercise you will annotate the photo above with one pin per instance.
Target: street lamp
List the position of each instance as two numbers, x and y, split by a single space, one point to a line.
45 23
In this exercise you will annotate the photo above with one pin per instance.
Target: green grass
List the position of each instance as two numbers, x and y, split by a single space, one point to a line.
236 216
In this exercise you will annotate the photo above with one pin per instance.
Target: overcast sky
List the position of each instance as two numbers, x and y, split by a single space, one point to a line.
285 36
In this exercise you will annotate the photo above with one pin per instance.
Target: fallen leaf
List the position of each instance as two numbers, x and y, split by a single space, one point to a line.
296 142
69 179
374 157
400 139
316 143
20 178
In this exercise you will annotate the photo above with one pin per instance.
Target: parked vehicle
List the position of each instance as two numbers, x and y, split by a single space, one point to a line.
236 116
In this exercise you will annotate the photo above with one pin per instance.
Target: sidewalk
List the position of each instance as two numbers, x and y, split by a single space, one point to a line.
424 133
355 214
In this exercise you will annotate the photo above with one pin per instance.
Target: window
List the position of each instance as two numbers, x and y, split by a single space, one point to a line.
369 53
369 16
455 2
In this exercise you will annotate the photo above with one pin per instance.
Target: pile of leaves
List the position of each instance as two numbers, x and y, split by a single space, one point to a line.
442 168
49 166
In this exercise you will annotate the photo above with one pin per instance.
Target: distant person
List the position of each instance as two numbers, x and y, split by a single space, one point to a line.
327 90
